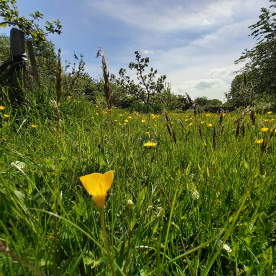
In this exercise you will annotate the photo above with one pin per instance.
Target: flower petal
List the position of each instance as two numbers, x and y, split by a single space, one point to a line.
91 183
100 200
107 180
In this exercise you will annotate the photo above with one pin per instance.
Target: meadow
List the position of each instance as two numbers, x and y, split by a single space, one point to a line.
199 199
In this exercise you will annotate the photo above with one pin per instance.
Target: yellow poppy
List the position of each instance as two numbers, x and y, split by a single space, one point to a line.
150 144
260 141
97 185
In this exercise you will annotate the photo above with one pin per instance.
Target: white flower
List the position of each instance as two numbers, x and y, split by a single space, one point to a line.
195 194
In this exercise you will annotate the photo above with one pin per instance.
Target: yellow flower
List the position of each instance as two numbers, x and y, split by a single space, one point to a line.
92 117
120 115
150 144
130 117
69 97
208 115
186 120
6 115
143 121
264 129
190 124
96 106
34 126
147 133
265 120
115 120
202 122
269 112
272 119
126 121
2 107
97 114
97 185
209 125
260 141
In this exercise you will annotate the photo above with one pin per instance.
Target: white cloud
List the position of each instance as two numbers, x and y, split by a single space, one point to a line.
146 52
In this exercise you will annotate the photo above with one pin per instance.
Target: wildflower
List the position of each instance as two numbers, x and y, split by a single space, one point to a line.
115 120
120 115
147 133
195 194
150 144
260 141
2 107
97 114
202 122
34 126
143 121
130 117
186 120
269 112
265 120
208 115
92 117
272 119
126 121
190 124
97 185
96 106
6 115
209 125
69 97
130 204
264 129
115 107
125 124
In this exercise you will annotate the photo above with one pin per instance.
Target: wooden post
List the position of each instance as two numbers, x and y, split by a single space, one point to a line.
32 59
18 80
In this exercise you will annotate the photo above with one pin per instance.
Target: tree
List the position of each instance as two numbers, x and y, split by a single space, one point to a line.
205 102
262 58
11 17
147 88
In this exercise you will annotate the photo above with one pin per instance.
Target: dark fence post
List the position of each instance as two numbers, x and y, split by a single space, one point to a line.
32 60
18 71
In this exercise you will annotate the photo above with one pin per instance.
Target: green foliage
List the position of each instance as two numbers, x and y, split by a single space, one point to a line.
205 102
260 60
11 17
147 88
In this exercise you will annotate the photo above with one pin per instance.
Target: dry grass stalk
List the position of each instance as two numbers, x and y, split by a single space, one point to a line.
200 132
163 192
253 117
220 118
179 121
214 138
108 94
243 129
237 130
242 116
222 128
169 125
189 99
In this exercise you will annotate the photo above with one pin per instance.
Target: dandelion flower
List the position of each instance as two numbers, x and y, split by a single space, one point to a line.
202 122
130 117
269 112
143 121
96 106
260 141
264 129
34 126
6 115
120 115
97 114
186 120
208 115
147 133
190 124
97 185
126 121
115 120
209 125
150 144
69 97
2 107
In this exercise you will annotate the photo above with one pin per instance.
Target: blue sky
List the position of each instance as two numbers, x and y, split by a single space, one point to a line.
194 43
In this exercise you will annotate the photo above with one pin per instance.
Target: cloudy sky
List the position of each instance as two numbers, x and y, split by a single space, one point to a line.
194 43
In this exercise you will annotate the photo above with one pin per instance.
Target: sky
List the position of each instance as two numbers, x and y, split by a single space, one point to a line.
194 43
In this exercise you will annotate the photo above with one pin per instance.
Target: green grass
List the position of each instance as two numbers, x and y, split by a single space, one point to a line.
217 198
